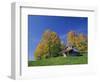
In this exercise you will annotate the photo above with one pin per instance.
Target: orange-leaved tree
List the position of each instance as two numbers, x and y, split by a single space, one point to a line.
77 40
50 44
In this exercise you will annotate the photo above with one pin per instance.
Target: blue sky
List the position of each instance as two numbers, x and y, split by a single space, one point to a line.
37 24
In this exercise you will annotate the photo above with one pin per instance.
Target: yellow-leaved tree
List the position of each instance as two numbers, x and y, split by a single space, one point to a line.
77 40
71 38
49 45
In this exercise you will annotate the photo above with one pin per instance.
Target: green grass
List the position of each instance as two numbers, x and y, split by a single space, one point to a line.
69 60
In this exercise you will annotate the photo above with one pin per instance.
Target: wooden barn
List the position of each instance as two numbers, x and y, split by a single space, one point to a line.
70 50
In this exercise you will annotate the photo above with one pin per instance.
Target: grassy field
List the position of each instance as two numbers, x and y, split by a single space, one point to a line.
69 60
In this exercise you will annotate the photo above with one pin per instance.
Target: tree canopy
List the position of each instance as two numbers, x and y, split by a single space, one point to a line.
77 40
49 45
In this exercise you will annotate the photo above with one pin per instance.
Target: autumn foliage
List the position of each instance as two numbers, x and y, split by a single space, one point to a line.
50 44
77 40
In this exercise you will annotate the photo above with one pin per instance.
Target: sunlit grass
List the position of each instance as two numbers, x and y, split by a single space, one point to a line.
69 60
